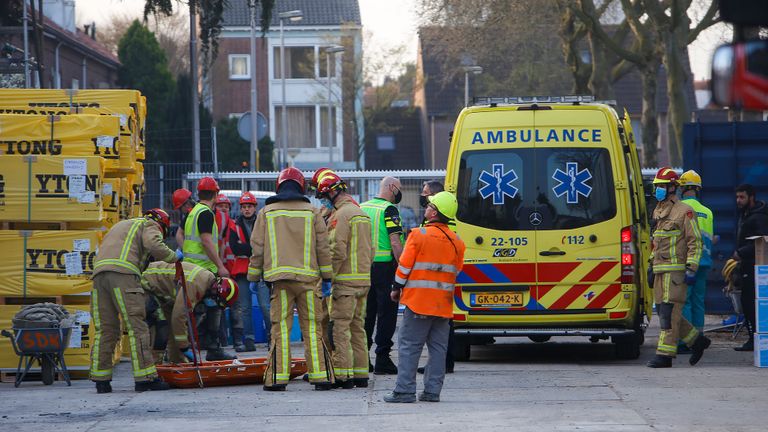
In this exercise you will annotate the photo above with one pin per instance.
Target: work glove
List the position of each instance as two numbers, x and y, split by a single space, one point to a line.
186 352
690 277
252 287
179 255
326 288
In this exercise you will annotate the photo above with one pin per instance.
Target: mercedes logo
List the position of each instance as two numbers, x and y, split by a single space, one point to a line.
535 218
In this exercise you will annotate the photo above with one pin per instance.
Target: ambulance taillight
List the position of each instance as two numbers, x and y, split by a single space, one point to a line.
627 256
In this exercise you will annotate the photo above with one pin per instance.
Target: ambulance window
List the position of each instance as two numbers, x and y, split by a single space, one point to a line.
492 187
580 187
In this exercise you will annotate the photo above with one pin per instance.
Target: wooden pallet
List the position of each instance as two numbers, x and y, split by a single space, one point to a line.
65 300
36 226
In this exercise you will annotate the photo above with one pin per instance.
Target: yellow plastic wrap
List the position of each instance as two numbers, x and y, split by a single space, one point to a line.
138 189
141 150
71 135
77 355
116 101
117 201
47 263
51 188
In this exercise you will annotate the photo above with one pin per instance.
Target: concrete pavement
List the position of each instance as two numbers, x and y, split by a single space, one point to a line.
568 384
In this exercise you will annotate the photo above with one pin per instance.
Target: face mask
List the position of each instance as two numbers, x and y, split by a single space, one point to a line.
398 197
423 201
661 193
327 203
209 302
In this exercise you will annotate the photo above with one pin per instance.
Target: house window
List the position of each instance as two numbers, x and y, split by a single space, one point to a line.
324 126
301 125
239 66
299 62
385 142
324 65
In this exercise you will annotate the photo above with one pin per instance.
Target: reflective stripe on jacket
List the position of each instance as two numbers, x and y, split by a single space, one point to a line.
236 264
349 230
676 239
193 245
706 226
159 280
432 258
289 242
375 210
128 245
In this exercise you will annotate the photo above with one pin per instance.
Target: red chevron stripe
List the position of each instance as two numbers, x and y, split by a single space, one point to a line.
555 272
604 297
572 294
541 291
475 274
599 271
518 272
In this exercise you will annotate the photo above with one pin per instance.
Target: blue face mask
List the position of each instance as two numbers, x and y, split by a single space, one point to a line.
327 203
209 302
661 193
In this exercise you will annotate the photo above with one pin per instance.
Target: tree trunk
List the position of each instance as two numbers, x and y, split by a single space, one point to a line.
677 79
649 120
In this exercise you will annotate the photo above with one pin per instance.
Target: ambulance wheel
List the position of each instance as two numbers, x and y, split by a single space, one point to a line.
461 349
47 372
540 338
628 347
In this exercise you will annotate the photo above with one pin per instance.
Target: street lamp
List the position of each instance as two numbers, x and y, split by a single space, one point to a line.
294 15
474 69
330 51
253 157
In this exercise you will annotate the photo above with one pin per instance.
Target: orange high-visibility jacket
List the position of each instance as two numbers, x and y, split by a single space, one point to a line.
431 259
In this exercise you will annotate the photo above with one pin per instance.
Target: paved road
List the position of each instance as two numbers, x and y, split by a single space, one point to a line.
564 385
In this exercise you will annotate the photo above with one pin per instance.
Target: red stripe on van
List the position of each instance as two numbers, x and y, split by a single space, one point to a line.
475 274
572 294
555 272
599 271
604 297
518 272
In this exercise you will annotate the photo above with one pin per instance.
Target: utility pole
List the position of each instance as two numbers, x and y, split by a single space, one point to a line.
193 75
254 101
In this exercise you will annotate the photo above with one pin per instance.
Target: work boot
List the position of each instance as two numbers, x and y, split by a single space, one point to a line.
154 385
305 377
250 345
237 340
274 387
323 387
660 362
360 382
218 354
346 385
103 387
396 397
384 366
748 346
239 347
429 397
697 349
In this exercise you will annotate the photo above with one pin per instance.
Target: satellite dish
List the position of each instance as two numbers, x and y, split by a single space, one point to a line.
244 126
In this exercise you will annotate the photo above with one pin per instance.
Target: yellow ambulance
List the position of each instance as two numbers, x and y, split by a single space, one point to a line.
552 210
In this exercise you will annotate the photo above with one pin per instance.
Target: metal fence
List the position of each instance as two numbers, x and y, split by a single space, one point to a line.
363 185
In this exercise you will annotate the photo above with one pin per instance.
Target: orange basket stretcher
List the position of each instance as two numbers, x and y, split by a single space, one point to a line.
222 373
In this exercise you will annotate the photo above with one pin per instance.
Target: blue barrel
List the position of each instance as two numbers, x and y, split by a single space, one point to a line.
259 332
295 329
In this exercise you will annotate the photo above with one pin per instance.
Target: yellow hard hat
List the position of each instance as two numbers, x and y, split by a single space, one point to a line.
445 202
690 178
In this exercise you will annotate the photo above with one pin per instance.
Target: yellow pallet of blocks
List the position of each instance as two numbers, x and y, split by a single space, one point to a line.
141 150
47 263
74 135
78 352
51 188
138 189
128 141
112 99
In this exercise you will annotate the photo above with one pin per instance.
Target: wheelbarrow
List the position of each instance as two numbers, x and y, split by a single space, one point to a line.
42 345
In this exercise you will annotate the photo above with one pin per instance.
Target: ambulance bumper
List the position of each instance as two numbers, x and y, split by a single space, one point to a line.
560 331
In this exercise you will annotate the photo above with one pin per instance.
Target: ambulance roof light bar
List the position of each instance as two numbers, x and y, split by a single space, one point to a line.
508 100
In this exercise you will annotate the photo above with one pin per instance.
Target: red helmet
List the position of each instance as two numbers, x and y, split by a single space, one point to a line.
161 217
222 199
226 291
666 175
207 184
247 198
291 174
330 181
317 176
180 196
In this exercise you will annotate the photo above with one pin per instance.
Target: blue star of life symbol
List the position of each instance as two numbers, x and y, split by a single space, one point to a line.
572 182
498 184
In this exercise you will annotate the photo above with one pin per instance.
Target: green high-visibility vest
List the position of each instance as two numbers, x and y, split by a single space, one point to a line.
375 210
193 246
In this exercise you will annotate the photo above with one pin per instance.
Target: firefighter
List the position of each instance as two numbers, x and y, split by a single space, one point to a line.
290 252
239 247
381 311
690 185
183 202
676 250
424 282
117 296
200 230
349 231
159 279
